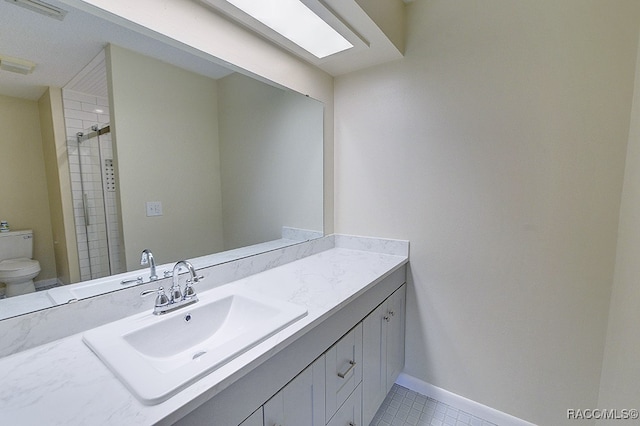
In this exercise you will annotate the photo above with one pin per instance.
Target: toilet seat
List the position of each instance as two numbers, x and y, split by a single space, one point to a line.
13 268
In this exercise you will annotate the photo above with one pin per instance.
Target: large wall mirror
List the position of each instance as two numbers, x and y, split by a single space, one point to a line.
116 142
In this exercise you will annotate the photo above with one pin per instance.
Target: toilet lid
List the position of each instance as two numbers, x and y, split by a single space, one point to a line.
24 265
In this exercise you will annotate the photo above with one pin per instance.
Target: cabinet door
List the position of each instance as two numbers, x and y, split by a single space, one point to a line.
350 413
374 362
301 401
395 335
344 369
254 420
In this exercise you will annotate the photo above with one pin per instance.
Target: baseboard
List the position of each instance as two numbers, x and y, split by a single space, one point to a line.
460 402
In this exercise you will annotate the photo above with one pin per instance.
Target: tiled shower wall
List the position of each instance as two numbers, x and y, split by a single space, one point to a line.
99 256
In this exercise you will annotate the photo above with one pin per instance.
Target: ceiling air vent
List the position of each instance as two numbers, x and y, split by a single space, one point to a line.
17 65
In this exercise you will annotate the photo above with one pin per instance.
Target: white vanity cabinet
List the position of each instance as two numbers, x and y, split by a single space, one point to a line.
349 382
326 392
300 402
339 372
383 358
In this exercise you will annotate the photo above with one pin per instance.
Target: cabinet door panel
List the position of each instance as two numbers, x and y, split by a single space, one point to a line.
374 362
301 401
395 335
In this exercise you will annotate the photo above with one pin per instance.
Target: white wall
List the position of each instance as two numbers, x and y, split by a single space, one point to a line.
271 151
620 381
165 130
497 146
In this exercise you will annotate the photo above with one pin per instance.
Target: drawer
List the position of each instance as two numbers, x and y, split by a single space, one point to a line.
343 369
350 413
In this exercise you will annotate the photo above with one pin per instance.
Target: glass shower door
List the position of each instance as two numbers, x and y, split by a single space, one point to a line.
95 198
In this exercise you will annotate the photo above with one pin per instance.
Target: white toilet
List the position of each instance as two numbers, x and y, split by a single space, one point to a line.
17 269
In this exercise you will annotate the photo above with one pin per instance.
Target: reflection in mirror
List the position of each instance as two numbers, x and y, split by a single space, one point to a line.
140 145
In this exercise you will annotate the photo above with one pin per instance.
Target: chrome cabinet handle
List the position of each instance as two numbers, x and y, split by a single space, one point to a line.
351 365
392 313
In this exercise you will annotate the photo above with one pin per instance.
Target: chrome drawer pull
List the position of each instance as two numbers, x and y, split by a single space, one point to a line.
351 365
352 424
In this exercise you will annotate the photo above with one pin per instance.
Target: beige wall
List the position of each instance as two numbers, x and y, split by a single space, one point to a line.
166 140
620 381
56 162
270 171
497 146
23 189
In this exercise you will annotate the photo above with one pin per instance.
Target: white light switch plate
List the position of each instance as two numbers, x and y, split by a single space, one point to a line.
154 208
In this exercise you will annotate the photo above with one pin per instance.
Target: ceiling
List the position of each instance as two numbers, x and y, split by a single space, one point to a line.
61 49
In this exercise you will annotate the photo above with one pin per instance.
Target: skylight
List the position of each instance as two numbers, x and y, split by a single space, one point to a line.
296 22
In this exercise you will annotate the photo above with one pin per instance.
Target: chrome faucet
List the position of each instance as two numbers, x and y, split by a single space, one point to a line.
147 258
189 292
176 298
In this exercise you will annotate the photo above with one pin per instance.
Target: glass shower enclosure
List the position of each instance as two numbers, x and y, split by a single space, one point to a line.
94 192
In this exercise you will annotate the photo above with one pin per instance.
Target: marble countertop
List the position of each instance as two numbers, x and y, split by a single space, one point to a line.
14 306
64 383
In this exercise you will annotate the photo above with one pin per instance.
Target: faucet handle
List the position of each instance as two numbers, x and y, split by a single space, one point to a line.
137 280
161 296
189 292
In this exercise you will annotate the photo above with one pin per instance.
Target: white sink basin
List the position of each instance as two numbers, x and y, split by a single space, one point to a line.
157 356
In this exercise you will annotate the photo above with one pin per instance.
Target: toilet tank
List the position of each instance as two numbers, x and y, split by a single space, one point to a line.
16 244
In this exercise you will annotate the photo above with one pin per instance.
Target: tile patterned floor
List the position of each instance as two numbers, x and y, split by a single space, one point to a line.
403 407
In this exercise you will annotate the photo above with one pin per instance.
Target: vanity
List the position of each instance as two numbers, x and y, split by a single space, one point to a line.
331 366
